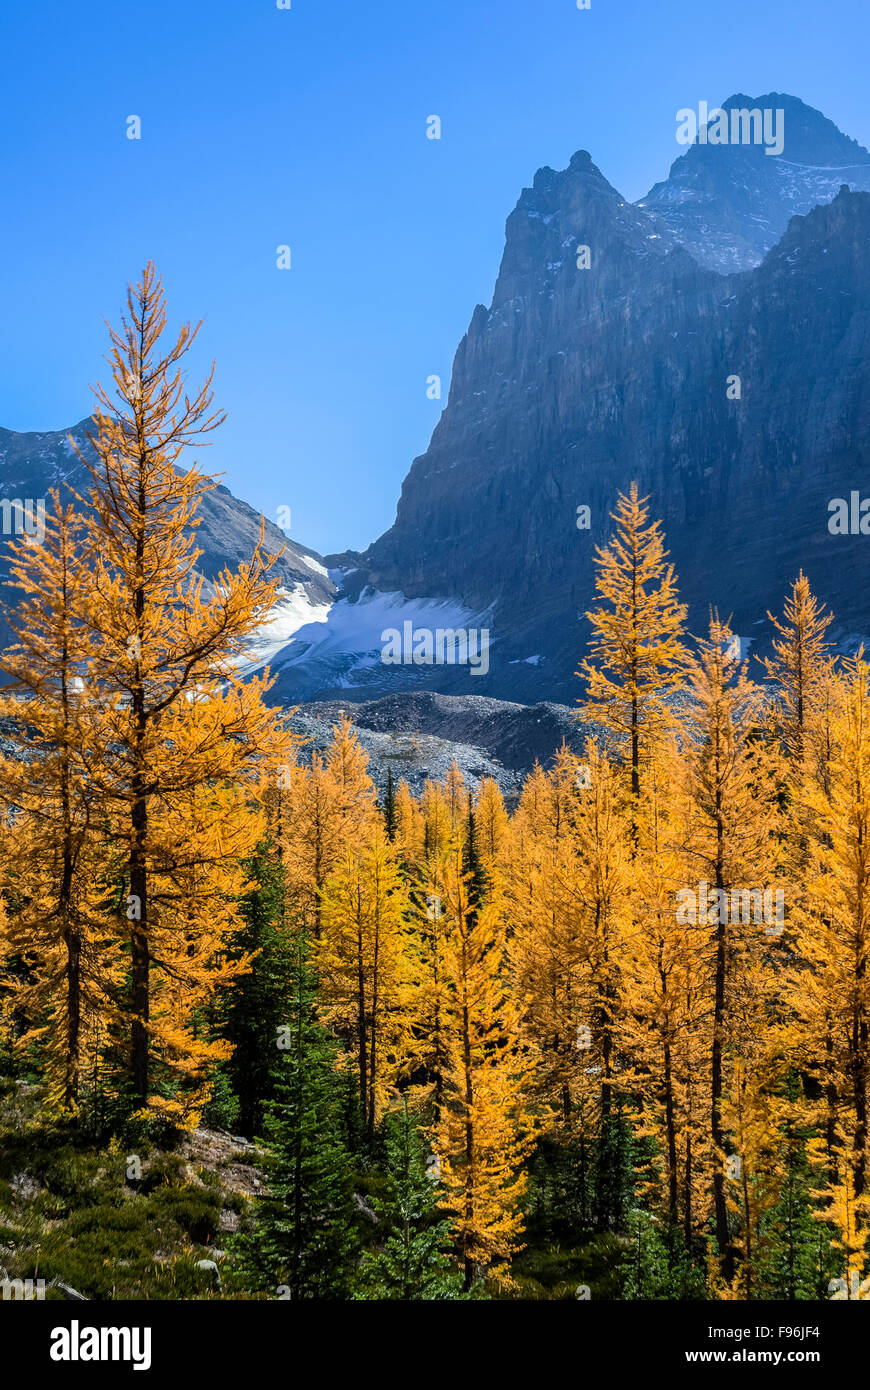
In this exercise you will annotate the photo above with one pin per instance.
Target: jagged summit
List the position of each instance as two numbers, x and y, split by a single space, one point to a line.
729 203
576 381
810 137
563 210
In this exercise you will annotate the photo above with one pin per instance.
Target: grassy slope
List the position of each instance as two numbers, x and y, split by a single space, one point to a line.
68 1210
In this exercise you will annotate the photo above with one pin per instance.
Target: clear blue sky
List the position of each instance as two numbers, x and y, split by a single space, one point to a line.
306 126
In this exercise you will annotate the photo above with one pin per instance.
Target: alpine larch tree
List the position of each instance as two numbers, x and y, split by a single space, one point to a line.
182 735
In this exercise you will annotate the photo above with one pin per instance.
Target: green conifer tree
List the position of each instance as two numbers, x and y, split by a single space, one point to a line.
797 1265
304 1238
255 1004
388 807
409 1262
472 863
654 1264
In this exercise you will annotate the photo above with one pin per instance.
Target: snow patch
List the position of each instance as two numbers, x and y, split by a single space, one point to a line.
294 609
314 565
345 637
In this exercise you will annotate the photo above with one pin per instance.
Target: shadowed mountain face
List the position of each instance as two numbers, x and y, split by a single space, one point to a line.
576 381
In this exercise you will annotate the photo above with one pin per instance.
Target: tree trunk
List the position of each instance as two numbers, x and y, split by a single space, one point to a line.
717 1133
140 955
361 1023
671 1131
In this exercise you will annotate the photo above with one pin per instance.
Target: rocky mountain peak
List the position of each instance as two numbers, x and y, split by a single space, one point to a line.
809 136
728 201
740 402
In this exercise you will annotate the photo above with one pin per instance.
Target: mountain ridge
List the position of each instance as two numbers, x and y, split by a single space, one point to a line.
33 462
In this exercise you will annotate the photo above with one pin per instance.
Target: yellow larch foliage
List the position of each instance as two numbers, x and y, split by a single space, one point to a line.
483 1132
850 1217
730 847
172 715
328 805
829 995
548 944
410 828
636 651
491 820
665 978
52 865
363 963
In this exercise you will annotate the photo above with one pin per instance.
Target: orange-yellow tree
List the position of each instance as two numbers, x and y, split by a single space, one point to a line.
362 964
482 1135
51 865
636 650
176 735
665 974
799 665
325 807
829 995
549 943
729 844
429 858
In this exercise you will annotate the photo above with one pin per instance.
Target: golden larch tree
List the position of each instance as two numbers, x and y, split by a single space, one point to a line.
730 853
483 1132
363 964
636 649
52 861
175 717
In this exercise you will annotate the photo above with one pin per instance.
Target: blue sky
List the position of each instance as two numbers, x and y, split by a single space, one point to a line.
263 127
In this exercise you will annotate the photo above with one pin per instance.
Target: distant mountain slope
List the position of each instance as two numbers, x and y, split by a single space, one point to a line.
33 463
729 204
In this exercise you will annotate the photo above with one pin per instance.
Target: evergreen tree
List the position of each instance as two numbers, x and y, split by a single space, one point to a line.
614 1179
388 807
792 1268
409 1262
472 863
304 1239
254 1006
655 1265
